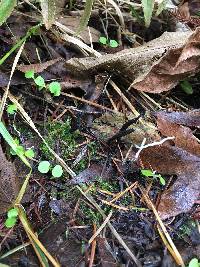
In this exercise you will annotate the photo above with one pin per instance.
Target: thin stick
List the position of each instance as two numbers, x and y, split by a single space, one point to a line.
94 244
89 102
115 233
124 192
100 228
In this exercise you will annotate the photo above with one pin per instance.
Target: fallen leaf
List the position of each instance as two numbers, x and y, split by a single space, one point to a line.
145 62
181 196
91 174
106 258
109 124
176 65
9 183
73 22
39 67
171 124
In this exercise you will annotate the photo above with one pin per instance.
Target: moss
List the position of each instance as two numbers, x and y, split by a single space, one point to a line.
61 139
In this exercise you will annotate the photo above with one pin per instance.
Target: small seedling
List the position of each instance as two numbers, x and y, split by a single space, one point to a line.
40 82
103 40
44 166
30 74
113 43
11 220
20 150
29 153
57 171
53 87
186 87
194 263
107 42
149 173
11 109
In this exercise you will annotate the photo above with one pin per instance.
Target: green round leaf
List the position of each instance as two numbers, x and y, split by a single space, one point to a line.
194 263
44 166
147 173
57 171
29 74
162 180
55 88
20 150
40 81
103 40
10 222
29 153
12 213
11 109
113 43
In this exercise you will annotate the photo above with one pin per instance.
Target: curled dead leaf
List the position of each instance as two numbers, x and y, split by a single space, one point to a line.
9 183
136 63
91 174
181 196
174 66
172 124
38 67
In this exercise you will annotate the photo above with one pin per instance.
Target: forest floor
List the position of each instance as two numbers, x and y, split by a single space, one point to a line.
99 155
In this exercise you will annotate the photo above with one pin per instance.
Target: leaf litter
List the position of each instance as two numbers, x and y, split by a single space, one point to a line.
153 67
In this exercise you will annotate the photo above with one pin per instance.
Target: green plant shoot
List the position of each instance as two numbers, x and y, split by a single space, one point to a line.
55 88
149 173
44 166
30 74
11 109
57 171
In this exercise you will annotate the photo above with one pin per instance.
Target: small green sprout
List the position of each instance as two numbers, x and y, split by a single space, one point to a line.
44 166
113 43
40 82
12 213
149 173
194 263
57 171
29 153
11 109
30 74
186 87
103 40
11 220
20 150
55 88
107 42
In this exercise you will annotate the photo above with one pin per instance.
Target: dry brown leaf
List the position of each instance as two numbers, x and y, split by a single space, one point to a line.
136 63
181 196
38 67
176 65
72 23
91 174
169 124
9 183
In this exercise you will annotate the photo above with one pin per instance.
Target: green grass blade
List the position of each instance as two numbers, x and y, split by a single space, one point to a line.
48 12
86 16
20 42
161 7
6 8
148 6
9 139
